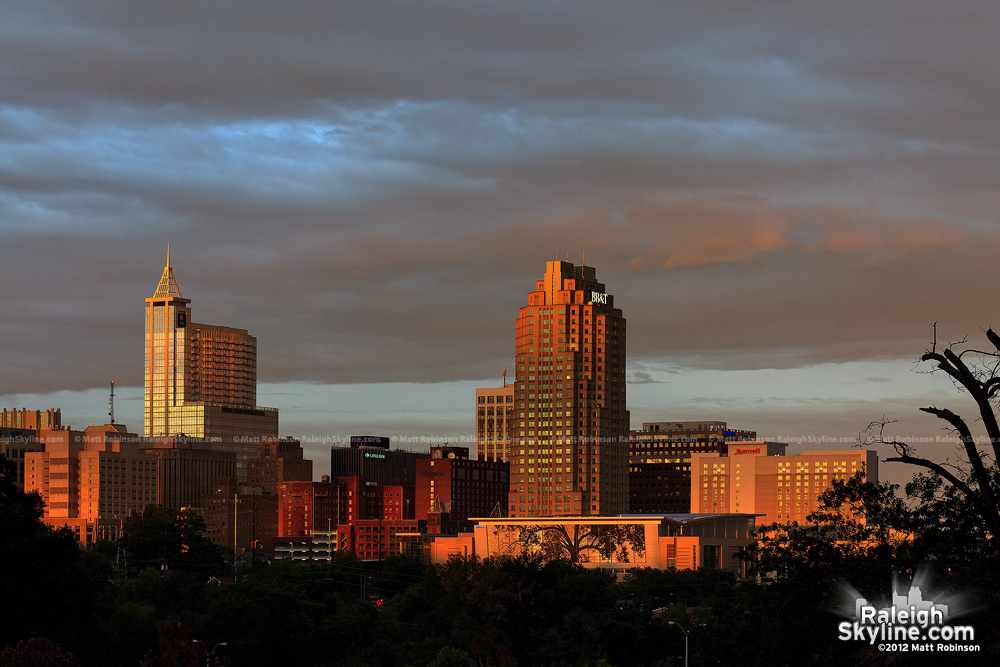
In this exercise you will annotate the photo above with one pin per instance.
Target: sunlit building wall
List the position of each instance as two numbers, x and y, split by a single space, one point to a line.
307 506
464 488
92 480
570 445
201 379
494 422
660 461
31 419
757 478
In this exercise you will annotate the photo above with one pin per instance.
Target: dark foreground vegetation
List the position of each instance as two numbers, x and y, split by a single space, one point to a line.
155 597
72 607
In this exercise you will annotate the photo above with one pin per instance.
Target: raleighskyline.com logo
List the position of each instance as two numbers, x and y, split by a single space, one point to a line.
909 623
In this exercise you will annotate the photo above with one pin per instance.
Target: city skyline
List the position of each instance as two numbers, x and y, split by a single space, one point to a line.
783 218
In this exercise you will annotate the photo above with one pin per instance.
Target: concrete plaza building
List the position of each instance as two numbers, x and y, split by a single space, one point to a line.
681 541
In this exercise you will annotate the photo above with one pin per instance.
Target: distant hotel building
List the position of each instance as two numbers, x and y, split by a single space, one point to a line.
660 461
570 449
494 422
201 379
758 478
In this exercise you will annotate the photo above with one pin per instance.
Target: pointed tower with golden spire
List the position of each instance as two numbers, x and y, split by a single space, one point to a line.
201 379
167 287
167 380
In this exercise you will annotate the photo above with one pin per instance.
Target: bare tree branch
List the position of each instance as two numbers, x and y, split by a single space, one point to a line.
980 377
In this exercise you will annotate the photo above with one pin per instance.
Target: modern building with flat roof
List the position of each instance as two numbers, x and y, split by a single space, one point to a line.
188 470
374 462
31 419
14 444
682 541
660 461
463 487
92 480
569 453
307 506
758 478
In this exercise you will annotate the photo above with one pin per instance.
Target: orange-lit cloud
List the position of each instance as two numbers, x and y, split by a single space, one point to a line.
693 233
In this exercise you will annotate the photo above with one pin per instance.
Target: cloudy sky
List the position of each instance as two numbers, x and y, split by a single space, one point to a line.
782 196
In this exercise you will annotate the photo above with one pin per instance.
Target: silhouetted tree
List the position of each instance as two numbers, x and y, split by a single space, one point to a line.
165 538
575 542
977 372
177 648
45 589
36 652
856 532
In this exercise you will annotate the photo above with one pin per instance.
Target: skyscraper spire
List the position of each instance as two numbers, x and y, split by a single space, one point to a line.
167 288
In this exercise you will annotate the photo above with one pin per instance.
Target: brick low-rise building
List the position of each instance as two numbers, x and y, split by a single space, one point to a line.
464 487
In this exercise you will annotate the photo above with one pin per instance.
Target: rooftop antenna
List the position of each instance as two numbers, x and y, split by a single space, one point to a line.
168 254
111 401
505 377
584 260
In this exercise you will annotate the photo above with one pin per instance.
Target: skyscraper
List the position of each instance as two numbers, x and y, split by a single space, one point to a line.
201 379
570 443
494 422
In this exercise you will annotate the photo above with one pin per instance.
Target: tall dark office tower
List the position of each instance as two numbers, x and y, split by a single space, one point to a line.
570 442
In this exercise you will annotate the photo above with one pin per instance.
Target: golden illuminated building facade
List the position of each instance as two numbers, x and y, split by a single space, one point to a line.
660 461
31 419
570 445
91 481
201 379
758 478
494 422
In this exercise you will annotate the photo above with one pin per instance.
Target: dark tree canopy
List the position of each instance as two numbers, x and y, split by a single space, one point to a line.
975 372
165 538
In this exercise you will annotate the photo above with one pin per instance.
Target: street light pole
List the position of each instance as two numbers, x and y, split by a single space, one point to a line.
209 654
686 633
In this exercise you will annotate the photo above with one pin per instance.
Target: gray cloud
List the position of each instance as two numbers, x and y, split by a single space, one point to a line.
372 189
